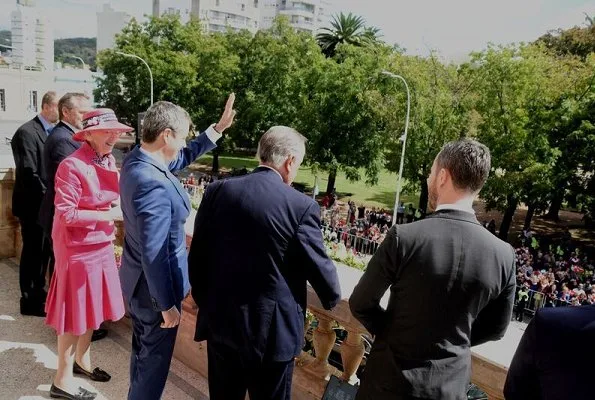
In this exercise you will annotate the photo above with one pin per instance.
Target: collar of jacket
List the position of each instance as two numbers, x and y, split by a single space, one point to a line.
455 214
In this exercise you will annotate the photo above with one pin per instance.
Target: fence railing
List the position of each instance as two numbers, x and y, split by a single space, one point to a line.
360 244
539 300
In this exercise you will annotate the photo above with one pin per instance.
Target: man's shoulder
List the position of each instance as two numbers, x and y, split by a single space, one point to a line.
566 317
27 128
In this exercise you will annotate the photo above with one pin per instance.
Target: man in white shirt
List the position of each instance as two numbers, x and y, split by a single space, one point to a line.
451 286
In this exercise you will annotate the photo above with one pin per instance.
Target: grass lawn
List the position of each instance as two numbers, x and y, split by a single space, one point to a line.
380 195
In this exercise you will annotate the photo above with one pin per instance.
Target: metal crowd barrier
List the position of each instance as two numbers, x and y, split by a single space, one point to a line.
361 244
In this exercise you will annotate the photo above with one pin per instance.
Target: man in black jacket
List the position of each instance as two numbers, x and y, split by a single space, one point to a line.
29 188
543 367
451 286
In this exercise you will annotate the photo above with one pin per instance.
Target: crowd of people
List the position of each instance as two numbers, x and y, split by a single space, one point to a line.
361 230
553 278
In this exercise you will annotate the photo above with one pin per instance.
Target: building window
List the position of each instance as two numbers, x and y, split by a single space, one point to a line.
2 99
243 7
33 100
255 3
217 3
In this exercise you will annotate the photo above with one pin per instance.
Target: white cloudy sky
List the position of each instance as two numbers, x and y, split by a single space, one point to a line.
453 27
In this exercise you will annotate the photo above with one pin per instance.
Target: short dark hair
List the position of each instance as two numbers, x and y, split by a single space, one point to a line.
66 101
468 162
161 116
48 98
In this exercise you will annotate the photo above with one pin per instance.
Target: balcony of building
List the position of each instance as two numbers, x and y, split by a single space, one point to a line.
338 342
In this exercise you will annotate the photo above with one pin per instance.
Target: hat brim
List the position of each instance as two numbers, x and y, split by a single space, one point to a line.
111 126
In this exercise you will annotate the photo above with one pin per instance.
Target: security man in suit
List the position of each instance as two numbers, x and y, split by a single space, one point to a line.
256 242
71 108
451 286
29 187
154 272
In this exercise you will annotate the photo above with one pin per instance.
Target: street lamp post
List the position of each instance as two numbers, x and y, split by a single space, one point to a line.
78 58
144 62
404 138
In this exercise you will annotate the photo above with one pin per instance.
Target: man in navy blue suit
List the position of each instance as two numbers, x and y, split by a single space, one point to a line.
154 273
554 359
256 242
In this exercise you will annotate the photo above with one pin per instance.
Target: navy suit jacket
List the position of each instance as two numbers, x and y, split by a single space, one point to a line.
29 186
58 146
155 207
554 359
256 242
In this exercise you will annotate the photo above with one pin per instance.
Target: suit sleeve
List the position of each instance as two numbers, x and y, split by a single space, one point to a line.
195 148
68 194
379 276
153 218
24 143
493 319
199 248
320 270
522 379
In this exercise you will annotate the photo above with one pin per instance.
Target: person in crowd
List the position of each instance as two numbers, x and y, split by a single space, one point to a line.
29 188
410 213
85 288
252 300
523 298
465 275
400 213
541 368
154 272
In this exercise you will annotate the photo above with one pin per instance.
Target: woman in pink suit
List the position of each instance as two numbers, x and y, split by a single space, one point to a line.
85 288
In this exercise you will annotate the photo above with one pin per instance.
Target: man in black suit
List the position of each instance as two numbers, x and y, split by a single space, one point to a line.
249 281
554 359
451 286
29 187
71 108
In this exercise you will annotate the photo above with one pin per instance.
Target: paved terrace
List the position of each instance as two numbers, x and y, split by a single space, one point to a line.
28 354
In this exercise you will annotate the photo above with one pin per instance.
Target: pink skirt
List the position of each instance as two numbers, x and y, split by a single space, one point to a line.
85 289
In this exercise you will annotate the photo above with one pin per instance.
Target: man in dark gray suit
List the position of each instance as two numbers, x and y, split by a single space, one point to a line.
29 188
451 287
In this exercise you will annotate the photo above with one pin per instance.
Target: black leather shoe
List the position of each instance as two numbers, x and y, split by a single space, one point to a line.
82 394
98 374
31 308
98 334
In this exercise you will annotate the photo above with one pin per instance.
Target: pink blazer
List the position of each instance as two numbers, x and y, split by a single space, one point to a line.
84 188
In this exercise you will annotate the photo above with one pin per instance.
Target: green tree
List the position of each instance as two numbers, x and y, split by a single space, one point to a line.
513 88
346 29
440 112
192 69
343 117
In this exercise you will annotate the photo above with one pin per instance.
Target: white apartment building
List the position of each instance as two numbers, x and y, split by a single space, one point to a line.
32 37
303 15
218 15
109 23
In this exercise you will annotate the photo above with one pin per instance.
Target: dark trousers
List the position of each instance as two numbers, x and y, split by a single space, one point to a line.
48 254
520 310
32 265
152 347
230 376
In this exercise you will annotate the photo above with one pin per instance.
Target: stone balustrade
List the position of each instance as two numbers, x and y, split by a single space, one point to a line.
10 236
312 372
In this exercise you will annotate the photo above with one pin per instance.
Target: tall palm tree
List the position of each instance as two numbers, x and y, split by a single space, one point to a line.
589 20
344 29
